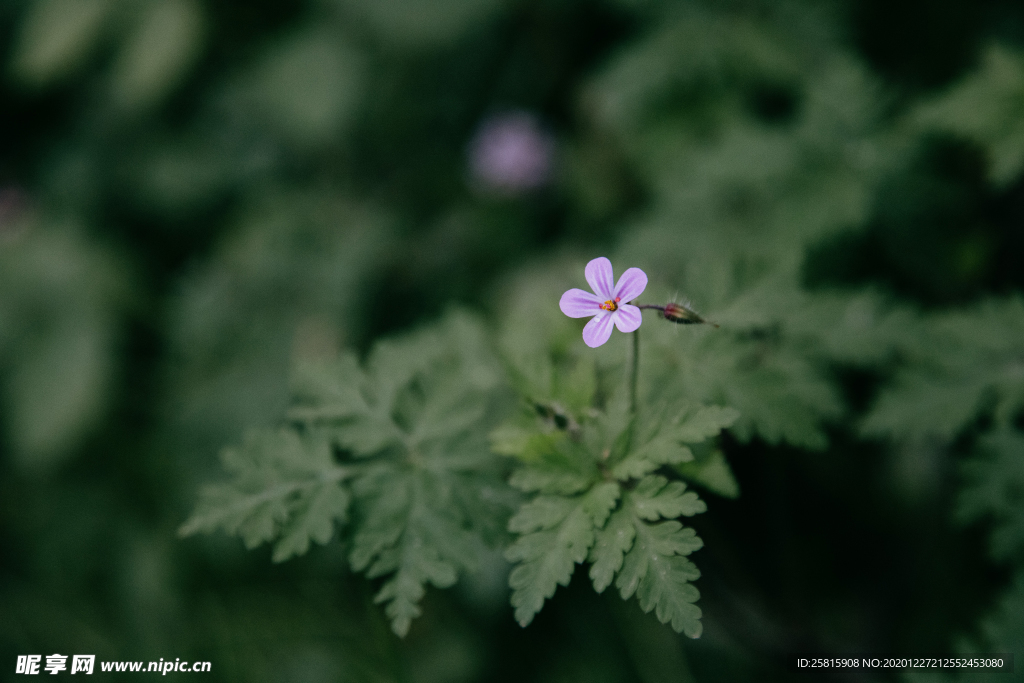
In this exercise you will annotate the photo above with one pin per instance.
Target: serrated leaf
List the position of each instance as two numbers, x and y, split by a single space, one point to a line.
384 517
663 450
543 512
312 519
783 401
704 423
417 564
665 589
404 590
611 544
656 498
600 502
285 487
665 445
546 558
412 532
426 492
656 570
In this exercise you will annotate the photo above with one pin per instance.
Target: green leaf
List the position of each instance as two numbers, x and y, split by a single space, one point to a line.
656 570
955 365
756 363
423 492
411 531
704 423
285 487
611 544
657 498
312 519
652 455
546 557
665 589
664 446
541 513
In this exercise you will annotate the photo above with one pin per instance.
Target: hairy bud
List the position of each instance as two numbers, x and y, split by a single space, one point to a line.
678 313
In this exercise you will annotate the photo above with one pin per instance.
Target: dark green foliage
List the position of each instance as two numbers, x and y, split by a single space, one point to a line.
596 498
994 488
959 365
985 107
60 299
398 442
220 220
286 490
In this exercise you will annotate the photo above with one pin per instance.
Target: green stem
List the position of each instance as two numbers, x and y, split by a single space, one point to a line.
634 368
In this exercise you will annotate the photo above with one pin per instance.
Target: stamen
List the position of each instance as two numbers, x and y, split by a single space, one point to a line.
610 305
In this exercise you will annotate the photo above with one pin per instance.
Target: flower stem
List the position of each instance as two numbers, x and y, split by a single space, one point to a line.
634 368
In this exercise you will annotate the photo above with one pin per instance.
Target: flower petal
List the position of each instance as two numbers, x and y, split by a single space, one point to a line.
577 303
627 318
631 285
598 330
600 277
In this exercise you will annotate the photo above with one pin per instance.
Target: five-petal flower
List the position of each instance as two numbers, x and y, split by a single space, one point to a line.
608 304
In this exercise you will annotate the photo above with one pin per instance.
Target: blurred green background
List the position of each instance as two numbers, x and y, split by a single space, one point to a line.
194 194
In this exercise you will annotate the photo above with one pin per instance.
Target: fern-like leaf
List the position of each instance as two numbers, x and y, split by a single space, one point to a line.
406 429
665 443
617 514
655 567
556 534
286 487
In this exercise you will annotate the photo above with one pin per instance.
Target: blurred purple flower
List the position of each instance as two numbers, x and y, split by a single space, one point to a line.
511 153
606 304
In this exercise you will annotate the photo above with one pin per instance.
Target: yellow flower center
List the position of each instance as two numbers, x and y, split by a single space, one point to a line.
611 305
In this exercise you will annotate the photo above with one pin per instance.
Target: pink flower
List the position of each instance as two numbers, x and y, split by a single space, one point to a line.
608 303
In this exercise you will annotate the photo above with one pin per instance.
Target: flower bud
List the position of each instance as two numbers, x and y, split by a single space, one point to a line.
678 313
